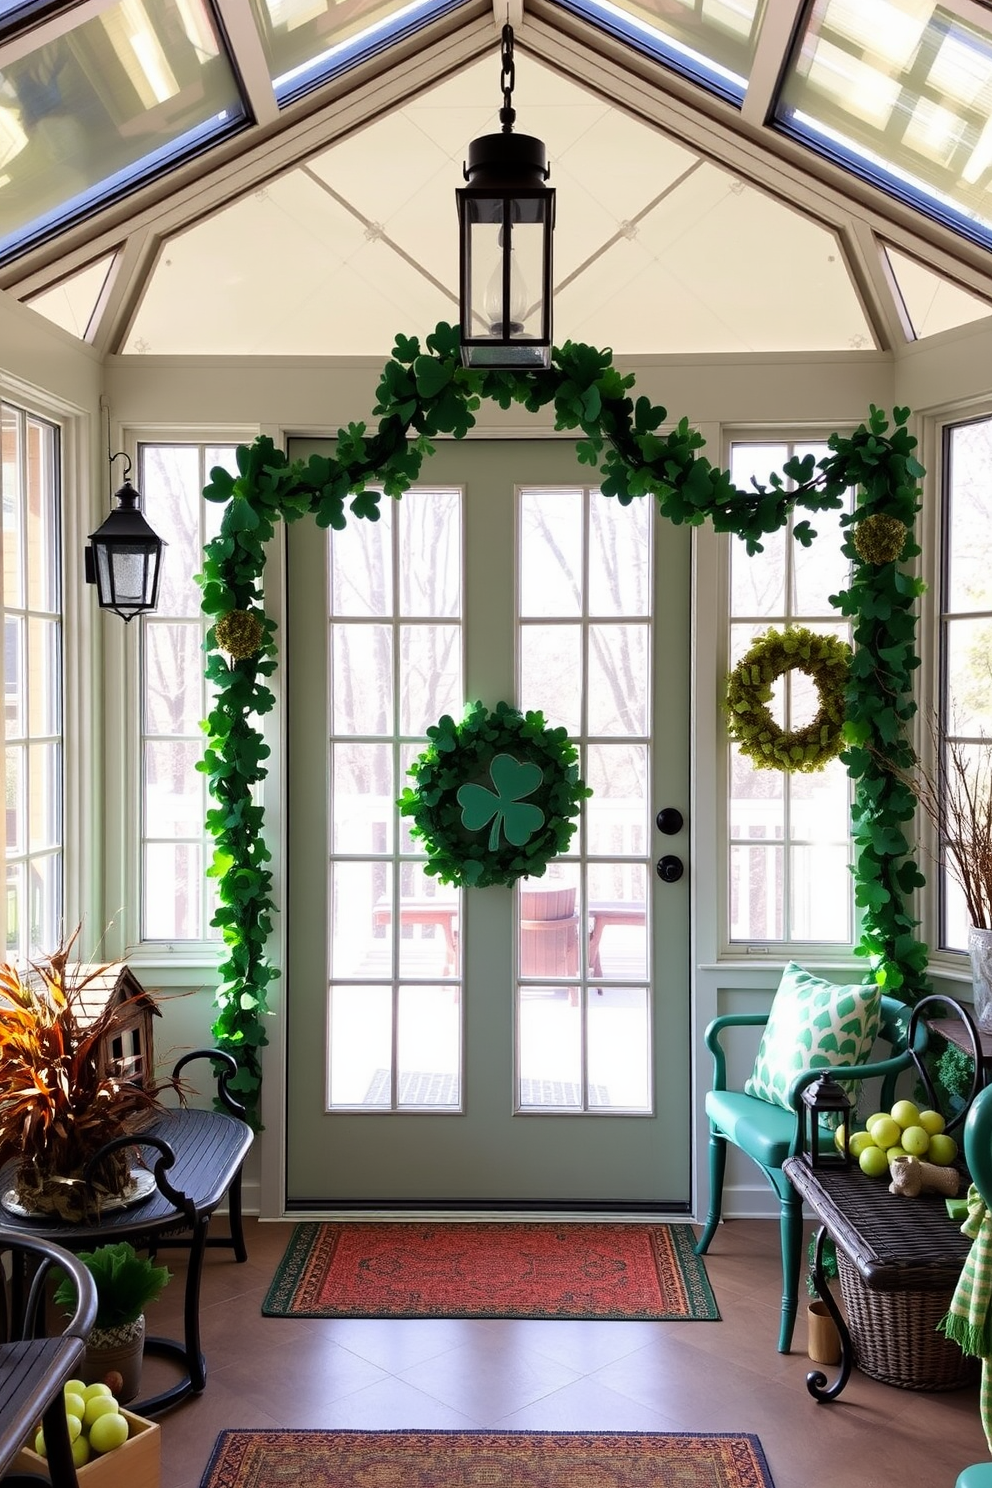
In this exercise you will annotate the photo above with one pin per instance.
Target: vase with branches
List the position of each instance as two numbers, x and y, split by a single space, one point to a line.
957 798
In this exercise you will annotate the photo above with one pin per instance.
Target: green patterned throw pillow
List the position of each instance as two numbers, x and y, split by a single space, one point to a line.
812 1023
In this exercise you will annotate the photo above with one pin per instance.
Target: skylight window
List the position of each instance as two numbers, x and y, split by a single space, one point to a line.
87 111
901 91
308 41
711 41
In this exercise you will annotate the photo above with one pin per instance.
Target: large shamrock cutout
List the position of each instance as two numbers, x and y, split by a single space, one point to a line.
505 806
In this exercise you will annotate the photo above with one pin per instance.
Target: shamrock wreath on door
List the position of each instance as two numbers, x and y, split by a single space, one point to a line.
495 796
824 658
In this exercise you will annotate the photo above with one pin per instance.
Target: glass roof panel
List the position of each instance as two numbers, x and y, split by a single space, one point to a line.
307 41
72 303
901 90
932 302
712 41
87 113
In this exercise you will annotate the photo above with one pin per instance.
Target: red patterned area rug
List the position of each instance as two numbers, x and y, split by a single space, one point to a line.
492 1271
485 1459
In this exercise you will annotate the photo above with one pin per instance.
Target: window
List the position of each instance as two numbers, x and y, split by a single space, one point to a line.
789 834
32 682
965 627
175 849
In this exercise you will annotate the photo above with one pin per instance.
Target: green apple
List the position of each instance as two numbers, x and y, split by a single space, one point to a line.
75 1405
75 1426
932 1122
885 1132
859 1141
905 1113
108 1432
74 1387
874 1162
99 1389
39 1444
897 1151
943 1150
915 1140
99 1405
81 1451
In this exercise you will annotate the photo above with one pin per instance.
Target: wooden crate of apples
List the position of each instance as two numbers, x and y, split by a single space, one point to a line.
111 1447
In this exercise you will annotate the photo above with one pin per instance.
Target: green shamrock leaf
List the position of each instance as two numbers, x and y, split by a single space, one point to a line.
505 807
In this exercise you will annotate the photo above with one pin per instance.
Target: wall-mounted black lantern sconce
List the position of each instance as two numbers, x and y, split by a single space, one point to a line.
124 556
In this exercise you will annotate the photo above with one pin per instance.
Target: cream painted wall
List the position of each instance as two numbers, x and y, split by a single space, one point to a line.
319 395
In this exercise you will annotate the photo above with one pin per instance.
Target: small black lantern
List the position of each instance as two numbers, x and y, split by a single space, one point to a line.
506 217
124 556
824 1097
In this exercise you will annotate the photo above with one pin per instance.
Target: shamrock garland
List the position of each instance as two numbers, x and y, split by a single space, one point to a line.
504 770
423 393
824 658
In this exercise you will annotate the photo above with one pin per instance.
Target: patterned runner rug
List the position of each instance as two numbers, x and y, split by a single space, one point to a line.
492 1271
470 1459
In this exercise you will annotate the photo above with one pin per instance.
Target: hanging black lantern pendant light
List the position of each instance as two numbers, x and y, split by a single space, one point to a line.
124 556
506 217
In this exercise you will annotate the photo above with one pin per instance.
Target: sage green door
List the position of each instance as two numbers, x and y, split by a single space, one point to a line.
523 1047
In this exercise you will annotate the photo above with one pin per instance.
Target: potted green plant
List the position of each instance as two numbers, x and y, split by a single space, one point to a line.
823 1340
126 1283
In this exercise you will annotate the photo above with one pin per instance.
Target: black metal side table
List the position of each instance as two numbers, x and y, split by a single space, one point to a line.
196 1157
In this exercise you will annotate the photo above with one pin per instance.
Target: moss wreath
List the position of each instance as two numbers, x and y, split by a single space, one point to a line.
495 796
826 660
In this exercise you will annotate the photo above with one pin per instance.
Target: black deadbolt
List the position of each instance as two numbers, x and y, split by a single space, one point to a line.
669 820
669 868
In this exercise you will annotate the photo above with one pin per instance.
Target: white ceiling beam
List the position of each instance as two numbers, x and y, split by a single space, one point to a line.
128 281
876 285
778 28
249 59
508 12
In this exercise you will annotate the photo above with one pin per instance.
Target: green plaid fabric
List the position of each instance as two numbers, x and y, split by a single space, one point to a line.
968 1322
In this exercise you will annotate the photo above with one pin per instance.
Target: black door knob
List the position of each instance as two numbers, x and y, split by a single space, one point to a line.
669 820
669 868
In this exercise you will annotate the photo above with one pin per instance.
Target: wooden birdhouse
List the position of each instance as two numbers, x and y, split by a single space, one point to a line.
128 1049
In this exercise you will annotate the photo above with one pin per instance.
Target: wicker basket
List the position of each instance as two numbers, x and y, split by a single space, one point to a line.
895 1335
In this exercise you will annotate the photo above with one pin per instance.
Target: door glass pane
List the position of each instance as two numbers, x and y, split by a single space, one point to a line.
361 1046
619 1048
391 924
551 674
584 924
427 1047
363 792
550 555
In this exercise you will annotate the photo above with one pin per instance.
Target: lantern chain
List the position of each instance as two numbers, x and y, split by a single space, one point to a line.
507 78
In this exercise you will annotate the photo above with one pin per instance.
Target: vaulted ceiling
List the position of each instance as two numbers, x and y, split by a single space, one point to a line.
277 177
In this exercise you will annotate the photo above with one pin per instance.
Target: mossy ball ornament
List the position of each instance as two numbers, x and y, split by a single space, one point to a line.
826 660
495 797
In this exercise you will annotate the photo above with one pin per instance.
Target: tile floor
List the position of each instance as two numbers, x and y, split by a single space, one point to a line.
464 1375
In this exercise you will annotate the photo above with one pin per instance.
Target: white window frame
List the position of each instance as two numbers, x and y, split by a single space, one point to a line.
712 553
